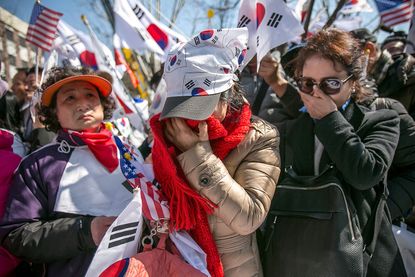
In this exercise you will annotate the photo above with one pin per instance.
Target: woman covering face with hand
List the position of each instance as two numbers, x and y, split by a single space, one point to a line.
217 165
65 195
335 131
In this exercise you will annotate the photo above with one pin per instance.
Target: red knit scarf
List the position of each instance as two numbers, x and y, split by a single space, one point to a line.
102 146
188 209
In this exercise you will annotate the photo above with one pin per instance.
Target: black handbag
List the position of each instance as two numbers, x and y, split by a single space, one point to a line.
313 228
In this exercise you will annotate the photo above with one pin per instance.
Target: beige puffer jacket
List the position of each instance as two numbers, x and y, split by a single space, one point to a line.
242 186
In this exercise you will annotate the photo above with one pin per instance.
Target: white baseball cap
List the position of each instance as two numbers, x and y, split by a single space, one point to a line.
198 71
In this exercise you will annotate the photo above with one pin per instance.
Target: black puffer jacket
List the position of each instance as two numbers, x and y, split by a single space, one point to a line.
396 79
401 177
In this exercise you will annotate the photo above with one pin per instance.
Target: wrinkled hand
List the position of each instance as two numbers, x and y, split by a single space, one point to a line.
268 69
182 136
99 227
319 104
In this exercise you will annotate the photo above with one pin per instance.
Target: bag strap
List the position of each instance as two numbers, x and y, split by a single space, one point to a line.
372 228
256 106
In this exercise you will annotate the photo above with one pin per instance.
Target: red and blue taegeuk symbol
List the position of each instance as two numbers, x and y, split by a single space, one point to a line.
207 34
225 70
88 59
173 60
199 92
158 35
260 13
242 56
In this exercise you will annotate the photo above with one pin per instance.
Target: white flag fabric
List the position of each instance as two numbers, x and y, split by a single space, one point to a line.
122 238
140 30
277 24
190 250
165 37
82 45
247 18
348 23
355 6
410 44
301 9
131 31
270 23
66 54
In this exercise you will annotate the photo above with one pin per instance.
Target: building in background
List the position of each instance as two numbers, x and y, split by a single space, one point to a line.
15 51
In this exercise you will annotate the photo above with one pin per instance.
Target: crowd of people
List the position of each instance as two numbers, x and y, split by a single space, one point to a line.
299 169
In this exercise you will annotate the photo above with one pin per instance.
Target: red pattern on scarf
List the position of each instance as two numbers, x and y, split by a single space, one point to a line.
102 146
188 209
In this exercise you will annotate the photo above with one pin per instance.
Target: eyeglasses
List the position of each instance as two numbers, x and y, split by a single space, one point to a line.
327 85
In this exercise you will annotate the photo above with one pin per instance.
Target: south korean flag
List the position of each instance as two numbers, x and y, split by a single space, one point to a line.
122 238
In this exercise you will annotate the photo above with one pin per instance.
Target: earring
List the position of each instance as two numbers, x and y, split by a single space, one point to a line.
353 90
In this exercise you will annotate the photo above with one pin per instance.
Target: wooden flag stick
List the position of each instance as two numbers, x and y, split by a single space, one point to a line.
333 16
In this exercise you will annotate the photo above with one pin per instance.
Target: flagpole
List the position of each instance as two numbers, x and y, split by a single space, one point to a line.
93 37
334 14
37 66
37 60
307 20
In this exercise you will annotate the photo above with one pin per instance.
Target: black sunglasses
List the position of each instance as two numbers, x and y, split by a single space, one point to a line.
327 85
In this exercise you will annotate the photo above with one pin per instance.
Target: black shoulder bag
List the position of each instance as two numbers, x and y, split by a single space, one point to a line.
313 229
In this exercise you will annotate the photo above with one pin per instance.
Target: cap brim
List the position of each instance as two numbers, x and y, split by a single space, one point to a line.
190 107
104 87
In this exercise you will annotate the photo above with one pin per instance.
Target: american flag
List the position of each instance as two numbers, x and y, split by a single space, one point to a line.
42 26
394 12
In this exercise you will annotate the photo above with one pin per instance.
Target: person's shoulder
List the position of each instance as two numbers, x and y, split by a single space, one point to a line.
262 133
263 127
380 116
45 152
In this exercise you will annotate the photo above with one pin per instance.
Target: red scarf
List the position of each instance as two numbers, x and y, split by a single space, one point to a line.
188 209
102 146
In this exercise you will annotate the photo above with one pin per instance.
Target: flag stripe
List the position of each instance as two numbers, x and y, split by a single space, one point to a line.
125 226
58 14
38 42
40 33
156 202
42 26
47 23
405 16
146 211
119 242
123 234
394 12
51 18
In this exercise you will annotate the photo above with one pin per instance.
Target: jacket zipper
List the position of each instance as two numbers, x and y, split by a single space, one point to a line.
349 218
271 234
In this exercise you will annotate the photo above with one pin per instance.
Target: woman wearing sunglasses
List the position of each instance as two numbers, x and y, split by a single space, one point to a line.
335 131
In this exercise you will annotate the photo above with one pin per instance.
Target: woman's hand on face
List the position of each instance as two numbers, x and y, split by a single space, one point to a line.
319 104
182 136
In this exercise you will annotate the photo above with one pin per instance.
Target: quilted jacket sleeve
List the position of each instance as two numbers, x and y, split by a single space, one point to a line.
244 183
30 232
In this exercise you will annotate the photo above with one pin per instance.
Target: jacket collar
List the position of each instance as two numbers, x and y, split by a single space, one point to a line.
70 139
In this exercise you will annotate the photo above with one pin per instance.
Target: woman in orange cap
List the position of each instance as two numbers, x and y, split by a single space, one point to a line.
65 195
